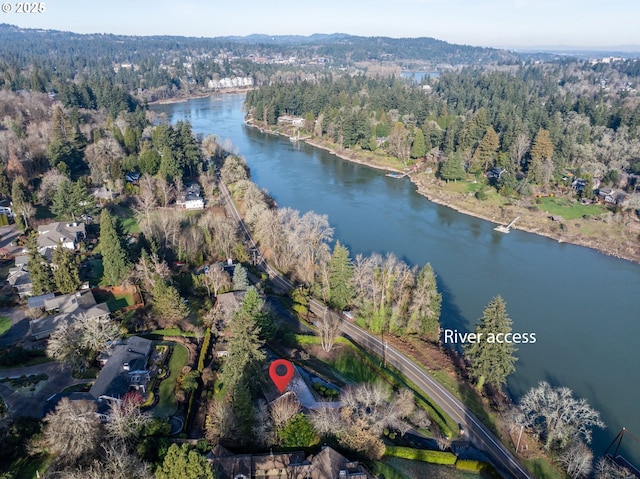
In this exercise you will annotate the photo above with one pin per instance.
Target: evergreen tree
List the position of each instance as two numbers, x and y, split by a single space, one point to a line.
182 462
240 280
245 350
114 257
39 270
66 142
452 168
167 302
169 167
253 306
418 148
340 278
486 151
65 274
72 200
542 148
492 358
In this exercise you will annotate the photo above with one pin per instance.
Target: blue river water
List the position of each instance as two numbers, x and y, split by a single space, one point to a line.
582 305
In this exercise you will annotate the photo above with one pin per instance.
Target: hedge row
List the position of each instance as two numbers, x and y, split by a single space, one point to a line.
477 467
424 455
204 350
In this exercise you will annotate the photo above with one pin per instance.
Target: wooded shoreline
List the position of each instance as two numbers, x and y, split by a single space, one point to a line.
530 222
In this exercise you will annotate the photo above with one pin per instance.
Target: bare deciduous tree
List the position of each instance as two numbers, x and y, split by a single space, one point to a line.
165 191
115 462
557 417
327 421
284 408
216 278
126 420
577 460
607 469
329 329
146 201
72 431
220 422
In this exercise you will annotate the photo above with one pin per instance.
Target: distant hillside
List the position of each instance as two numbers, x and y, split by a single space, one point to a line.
339 48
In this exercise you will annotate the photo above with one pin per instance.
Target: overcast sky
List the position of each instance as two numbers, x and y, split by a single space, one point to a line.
502 23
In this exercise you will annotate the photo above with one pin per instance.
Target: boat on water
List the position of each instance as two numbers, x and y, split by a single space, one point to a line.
507 228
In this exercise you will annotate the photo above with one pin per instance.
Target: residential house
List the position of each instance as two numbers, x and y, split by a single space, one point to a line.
124 369
69 234
191 197
328 463
132 177
20 280
65 309
612 196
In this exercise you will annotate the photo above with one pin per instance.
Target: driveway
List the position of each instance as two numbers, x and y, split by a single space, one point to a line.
20 404
8 235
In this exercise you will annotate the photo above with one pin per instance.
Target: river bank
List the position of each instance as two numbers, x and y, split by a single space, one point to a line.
611 234
202 94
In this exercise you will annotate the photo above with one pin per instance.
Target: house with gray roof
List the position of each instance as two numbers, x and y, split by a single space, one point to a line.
66 309
124 370
69 234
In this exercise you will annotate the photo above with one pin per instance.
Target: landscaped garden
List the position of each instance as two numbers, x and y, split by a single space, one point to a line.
167 404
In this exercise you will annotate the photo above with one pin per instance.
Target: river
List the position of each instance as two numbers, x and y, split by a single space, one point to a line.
581 304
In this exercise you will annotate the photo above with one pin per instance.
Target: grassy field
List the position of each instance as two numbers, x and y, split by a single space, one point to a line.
569 209
167 404
541 469
465 186
127 218
396 468
5 324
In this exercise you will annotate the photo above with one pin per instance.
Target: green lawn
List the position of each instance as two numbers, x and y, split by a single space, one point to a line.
569 209
167 404
465 186
353 367
5 324
396 468
115 301
541 469
127 219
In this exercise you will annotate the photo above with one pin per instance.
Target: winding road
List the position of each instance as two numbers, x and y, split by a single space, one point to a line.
477 433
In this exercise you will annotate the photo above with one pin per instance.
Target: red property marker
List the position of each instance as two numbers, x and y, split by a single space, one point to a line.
281 371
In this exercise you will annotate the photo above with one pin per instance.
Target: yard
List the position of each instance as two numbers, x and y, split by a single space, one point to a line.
167 404
569 209
115 300
5 324
127 219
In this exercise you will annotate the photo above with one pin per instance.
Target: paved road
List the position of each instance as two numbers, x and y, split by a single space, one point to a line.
24 405
476 432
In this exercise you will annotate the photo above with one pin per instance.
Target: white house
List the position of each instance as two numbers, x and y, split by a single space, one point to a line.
191 198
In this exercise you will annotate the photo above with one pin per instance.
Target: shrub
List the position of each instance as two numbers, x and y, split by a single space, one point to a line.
477 467
424 455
